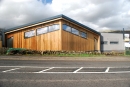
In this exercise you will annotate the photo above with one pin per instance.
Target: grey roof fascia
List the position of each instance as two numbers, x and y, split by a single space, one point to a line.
36 22
80 24
51 18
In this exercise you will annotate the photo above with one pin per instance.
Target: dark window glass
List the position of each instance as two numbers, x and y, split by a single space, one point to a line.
42 30
83 35
54 27
113 42
0 38
104 42
10 42
29 33
66 28
75 31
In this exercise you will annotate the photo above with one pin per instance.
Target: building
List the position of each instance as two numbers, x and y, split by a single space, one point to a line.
127 41
112 42
0 38
55 33
126 36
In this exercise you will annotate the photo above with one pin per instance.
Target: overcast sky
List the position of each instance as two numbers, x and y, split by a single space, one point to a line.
96 14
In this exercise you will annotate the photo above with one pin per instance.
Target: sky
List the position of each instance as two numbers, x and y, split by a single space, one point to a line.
99 15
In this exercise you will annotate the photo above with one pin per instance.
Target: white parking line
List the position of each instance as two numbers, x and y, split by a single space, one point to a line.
83 72
45 70
78 70
107 70
76 73
10 70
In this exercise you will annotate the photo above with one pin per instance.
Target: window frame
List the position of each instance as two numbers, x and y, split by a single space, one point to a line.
104 42
66 29
52 26
81 34
114 42
75 33
30 35
41 29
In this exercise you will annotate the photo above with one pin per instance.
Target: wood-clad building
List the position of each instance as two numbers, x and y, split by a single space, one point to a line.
55 33
0 38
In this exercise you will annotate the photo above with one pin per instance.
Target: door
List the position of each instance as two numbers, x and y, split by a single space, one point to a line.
10 42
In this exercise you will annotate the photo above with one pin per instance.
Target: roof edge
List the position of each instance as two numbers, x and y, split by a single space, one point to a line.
47 19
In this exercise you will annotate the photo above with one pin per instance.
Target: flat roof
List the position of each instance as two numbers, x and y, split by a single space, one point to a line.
48 19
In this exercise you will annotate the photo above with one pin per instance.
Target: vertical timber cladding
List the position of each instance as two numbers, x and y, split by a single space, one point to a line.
72 42
47 41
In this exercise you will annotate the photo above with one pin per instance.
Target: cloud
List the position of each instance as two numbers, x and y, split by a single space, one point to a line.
96 14
18 12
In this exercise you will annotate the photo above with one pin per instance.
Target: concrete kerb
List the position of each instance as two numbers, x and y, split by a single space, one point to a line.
114 58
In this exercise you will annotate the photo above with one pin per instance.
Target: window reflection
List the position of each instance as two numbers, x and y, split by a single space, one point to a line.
66 28
83 35
29 33
75 31
53 27
42 30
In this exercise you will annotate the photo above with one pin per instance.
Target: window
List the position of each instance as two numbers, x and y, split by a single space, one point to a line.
0 38
75 31
29 34
113 42
66 28
42 30
84 35
104 42
53 27
10 42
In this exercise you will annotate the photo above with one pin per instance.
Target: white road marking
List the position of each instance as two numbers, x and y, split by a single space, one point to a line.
78 70
107 70
45 70
62 67
55 67
10 70
76 73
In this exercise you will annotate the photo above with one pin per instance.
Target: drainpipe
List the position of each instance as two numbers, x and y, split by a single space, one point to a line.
123 34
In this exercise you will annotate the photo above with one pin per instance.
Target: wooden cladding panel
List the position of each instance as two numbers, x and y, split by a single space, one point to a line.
77 43
73 42
48 41
56 40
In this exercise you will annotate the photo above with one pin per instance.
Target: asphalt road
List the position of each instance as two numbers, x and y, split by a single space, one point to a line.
19 73
64 63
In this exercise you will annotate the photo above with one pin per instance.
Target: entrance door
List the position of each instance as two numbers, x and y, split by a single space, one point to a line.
10 42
